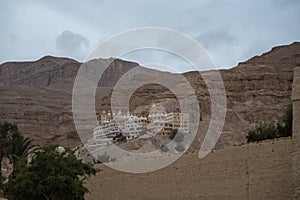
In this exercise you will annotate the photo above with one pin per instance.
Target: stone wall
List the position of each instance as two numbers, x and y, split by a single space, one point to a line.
254 171
296 131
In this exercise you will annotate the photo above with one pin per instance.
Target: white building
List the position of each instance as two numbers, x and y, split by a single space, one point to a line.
159 120
131 126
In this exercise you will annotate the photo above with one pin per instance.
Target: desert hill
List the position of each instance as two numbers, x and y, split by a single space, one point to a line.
37 95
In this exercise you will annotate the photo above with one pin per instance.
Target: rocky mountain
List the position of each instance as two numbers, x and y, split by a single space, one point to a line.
257 90
37 96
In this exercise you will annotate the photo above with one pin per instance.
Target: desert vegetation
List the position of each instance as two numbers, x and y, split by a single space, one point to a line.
50 172
283 128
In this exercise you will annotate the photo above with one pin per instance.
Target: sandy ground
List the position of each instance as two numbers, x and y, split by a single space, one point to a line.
254 171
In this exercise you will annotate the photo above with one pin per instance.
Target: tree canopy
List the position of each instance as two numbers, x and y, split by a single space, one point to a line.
13 146
51 175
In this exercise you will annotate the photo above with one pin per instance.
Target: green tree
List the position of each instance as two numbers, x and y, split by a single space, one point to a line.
19 149
284 128
50 175
7 131
263 132
287 120
14 146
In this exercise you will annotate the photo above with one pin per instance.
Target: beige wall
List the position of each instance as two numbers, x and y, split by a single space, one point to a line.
259 171
296 131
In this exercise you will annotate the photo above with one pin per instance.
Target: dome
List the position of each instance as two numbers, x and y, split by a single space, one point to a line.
60 149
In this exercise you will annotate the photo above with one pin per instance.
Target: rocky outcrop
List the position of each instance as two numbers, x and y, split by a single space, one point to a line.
37 95
44 72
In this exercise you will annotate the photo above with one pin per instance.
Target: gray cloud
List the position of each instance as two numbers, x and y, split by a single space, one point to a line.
281 3
231 30
72 44
217 39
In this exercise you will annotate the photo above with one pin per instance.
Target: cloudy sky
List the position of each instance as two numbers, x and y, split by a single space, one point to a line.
230 31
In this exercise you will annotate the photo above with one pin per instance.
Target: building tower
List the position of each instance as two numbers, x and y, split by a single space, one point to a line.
103 117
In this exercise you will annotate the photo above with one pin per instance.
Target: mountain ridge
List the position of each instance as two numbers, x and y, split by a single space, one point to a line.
37 95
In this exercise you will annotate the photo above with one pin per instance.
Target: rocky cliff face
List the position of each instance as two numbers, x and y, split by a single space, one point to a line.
257 90
37 96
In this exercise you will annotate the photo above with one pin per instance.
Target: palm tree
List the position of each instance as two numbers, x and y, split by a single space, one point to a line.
19 150
14 146
7 130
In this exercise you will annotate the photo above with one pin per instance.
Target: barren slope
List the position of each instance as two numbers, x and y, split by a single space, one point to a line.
255 171
37 95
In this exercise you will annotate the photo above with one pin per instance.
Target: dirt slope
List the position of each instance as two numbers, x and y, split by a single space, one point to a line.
255 171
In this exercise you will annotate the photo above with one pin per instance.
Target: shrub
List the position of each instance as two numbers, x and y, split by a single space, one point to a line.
120 138
287 128
177 136
180 147
271 131
159 145
155 142
263 132
164 148
103 158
